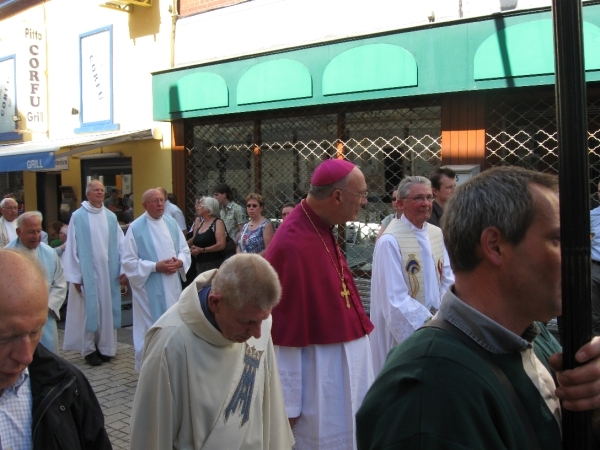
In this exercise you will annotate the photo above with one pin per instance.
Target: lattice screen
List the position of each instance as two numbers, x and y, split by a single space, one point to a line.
276 156
521 131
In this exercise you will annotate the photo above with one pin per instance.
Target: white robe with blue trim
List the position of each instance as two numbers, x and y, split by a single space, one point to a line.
138 270
76 336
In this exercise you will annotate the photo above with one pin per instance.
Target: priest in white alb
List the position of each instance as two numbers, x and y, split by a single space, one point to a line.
411 271
8 225
92 264
29 240
320 329
155 260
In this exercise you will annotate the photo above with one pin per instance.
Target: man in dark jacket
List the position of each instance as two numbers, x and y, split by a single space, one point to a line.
46 402
443 183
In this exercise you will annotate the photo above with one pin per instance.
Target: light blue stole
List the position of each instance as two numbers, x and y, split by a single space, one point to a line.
47 257
85 252
146 251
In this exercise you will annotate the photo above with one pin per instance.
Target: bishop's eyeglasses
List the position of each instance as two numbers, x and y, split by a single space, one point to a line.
364 194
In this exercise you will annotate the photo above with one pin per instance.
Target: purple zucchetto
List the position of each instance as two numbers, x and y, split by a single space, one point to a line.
331 171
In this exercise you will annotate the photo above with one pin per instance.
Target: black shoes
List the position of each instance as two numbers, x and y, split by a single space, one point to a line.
103 357
96 358
93 359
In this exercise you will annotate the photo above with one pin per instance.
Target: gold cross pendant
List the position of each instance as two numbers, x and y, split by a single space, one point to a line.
345 294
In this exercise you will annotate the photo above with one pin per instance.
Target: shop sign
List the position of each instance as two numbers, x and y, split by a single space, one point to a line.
33 84
96 76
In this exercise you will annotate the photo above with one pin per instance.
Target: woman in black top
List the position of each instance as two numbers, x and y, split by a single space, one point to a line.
208 241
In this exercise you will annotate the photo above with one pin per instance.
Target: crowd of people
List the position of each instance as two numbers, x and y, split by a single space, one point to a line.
251 337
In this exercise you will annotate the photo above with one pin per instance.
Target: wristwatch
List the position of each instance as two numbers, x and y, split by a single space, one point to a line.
204 249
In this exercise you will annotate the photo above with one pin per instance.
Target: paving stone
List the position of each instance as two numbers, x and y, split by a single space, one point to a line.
114 418
114 383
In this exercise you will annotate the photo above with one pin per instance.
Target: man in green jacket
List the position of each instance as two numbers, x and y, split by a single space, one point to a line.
502 233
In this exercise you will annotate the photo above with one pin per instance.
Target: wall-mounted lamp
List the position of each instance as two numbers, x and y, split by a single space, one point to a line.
74 111
16 118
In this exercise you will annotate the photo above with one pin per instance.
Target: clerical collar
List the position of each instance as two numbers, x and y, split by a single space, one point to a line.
31 251
91 208
149 217
412 226
203 296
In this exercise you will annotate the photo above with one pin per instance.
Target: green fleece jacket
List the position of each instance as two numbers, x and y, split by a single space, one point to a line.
435 393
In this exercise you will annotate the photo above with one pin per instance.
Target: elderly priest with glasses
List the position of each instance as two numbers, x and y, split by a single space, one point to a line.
411 271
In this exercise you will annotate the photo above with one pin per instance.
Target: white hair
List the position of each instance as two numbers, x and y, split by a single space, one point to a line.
4 202
89 185
29 215
247 279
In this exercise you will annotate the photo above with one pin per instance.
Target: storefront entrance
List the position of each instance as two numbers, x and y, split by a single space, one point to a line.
116 175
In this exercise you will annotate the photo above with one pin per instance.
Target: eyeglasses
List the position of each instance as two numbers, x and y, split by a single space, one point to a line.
421 198
358 194
10 208
249 205
158 201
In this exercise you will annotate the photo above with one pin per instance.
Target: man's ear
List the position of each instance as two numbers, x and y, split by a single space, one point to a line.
400 202
214 302
336 196
492 246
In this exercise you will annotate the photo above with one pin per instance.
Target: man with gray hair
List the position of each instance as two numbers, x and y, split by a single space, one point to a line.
155 258
92 262
209 376
8 226
411 271
442 387
29 240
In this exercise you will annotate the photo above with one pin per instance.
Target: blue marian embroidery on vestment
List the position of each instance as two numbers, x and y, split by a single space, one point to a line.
242 396
412 269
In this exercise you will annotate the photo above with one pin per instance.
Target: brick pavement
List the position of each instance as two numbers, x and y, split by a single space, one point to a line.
114 384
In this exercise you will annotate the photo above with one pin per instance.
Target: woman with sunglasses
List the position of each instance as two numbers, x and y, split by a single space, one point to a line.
258 232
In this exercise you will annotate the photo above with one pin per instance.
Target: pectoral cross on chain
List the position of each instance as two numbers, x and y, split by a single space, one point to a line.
345 294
